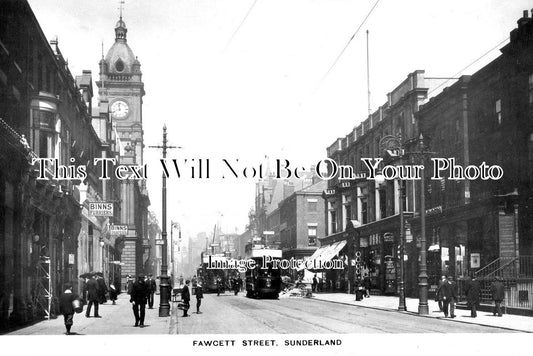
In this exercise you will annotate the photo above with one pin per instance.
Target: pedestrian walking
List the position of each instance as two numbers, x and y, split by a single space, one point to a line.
236 285
92 297
437 299
447 293
497 290
186 297
66 308
473 292
453 298
219 286
239 280
138 298
358 289
367 284
113 294
102 288
129 284
199 296
315 283
152 287
84 290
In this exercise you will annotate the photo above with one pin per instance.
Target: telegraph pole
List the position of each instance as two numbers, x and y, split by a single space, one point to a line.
164 305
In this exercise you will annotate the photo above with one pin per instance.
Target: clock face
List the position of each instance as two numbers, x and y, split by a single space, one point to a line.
119 109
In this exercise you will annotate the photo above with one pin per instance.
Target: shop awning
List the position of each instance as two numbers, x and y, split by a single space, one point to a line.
318 252
315 254
332 251
327 252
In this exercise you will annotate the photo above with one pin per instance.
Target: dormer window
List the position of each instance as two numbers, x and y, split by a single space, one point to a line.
119 65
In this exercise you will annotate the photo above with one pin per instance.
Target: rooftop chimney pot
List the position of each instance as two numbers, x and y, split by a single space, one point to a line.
524 19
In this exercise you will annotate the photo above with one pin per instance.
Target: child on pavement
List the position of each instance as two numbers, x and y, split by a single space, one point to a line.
66 308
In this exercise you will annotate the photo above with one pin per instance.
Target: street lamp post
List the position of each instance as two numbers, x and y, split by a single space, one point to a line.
164 305
423 276
401 303
393 145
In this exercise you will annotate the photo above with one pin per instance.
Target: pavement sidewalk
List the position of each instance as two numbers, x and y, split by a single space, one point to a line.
508 321
116 320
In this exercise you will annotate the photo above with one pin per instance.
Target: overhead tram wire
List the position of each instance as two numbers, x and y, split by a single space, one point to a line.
455 76
347 44
240 25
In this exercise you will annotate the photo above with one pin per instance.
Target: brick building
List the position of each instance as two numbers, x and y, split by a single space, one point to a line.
484 226
363 215
44 113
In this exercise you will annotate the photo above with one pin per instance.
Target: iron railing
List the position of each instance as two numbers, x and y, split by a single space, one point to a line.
516 273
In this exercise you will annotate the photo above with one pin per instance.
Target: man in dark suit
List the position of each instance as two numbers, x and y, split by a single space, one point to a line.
102 287
186 297
66 308
473 291
92 297
497 290
138 297
447 293
199 296
152 287
437 293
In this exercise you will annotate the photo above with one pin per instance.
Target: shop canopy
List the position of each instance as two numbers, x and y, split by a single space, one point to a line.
327 252
332 251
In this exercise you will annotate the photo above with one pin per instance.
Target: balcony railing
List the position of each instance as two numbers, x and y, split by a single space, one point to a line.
120 77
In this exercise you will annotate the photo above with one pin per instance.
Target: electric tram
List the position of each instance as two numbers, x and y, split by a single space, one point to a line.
263 282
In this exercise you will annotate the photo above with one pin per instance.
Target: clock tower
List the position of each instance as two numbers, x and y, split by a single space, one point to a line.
121 91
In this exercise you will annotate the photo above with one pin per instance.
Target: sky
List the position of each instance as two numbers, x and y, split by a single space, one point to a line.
268 86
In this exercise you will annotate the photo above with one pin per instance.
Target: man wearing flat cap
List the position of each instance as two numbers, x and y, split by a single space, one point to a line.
152 287
186 297
139 296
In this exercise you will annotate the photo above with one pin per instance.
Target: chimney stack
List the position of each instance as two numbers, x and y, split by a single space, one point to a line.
524 19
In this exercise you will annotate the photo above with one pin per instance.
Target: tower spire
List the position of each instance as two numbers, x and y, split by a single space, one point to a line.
121 2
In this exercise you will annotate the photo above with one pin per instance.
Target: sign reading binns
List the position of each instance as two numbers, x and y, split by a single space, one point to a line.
101 209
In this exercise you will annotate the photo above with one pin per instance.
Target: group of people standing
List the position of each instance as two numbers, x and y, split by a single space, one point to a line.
446 295
94 293
186 296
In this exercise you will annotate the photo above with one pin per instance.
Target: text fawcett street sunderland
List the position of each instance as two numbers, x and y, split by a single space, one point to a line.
326 169
269 262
